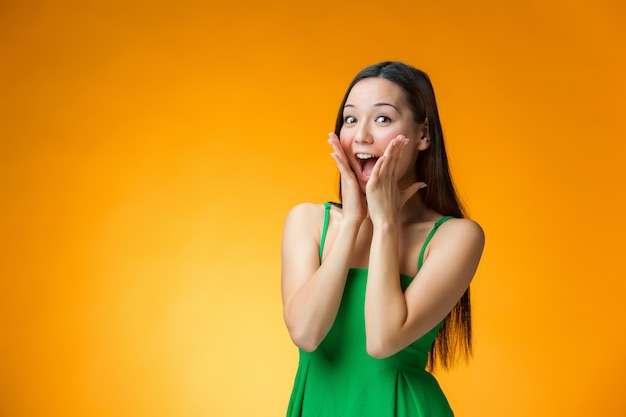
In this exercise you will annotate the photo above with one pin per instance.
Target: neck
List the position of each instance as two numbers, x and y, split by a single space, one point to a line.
416 211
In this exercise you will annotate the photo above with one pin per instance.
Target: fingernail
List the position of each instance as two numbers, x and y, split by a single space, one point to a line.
423 186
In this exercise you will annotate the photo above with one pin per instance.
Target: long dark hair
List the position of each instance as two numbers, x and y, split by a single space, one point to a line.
455 335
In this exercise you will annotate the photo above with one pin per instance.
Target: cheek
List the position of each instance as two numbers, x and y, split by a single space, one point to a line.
385 139
387 134
344 140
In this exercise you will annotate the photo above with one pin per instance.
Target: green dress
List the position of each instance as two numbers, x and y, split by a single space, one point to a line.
339 378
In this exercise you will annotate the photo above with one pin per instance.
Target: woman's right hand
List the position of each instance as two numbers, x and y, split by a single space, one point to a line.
354 203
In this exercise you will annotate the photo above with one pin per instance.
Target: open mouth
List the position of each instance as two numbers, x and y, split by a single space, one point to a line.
367 162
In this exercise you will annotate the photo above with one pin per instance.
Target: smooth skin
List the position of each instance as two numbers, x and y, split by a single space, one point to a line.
381 226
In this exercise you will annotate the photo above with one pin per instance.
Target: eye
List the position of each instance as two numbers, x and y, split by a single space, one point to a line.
349 120
383 119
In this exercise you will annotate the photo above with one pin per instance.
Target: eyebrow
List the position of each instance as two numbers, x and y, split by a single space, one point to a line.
376 105
386 104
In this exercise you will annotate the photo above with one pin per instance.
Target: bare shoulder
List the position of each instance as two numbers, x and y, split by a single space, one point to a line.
300 244
463 228
460 234
305 213
304 219
305 209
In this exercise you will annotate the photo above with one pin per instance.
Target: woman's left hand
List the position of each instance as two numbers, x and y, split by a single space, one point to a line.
384 197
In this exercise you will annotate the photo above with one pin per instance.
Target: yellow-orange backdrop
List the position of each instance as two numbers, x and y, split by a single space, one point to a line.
151 149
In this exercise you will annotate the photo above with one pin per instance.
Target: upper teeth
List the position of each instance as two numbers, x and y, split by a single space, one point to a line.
364 156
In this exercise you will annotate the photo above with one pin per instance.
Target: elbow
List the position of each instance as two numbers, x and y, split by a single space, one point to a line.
306 341
379 349
306 344
304 335
377 353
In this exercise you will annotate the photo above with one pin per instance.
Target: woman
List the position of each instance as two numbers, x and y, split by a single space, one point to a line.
377 286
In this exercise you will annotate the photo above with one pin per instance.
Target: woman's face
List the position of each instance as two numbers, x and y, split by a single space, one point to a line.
377 111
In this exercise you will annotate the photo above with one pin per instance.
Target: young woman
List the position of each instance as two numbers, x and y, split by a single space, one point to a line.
376 289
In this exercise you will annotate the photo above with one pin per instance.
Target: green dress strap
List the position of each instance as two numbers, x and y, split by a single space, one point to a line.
438 223
324 228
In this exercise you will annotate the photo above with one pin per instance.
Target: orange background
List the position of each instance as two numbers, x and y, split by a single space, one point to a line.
151 149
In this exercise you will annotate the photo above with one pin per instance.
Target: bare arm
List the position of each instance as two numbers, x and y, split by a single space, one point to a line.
395 319
312 292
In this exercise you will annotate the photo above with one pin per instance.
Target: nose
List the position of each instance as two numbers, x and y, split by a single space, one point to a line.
362 134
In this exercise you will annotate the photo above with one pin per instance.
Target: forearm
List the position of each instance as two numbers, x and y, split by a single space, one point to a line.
311 311
385 305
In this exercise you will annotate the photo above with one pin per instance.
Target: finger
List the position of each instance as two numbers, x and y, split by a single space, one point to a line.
377 171
333 140
342 165
397 145
339 156
397 151
384 161
337 148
